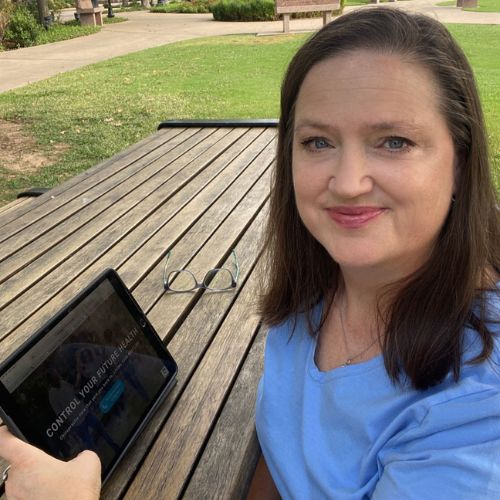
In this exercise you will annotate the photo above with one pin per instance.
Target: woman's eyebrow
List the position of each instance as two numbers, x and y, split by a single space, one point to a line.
394 125
384 126
306 123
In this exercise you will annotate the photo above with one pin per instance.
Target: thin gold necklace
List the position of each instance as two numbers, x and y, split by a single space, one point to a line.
350 359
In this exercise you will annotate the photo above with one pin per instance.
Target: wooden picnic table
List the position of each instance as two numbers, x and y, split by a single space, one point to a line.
199 190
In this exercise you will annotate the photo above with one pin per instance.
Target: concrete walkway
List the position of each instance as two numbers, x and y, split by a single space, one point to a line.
144 30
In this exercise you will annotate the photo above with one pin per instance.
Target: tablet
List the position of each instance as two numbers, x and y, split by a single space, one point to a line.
88 379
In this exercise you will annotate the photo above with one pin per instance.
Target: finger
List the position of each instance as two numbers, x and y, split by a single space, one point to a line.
88 460
89 466
10 446
15 450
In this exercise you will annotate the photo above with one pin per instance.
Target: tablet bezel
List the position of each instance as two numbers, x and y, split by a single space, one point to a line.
11 412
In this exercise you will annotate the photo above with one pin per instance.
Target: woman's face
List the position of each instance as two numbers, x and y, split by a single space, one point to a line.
373 161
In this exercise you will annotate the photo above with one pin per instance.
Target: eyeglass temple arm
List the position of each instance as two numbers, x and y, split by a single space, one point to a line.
165 280
236 266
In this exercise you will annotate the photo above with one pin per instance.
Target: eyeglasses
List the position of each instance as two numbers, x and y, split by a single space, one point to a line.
219 279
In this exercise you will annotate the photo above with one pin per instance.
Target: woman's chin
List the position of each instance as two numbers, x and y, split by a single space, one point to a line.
362 259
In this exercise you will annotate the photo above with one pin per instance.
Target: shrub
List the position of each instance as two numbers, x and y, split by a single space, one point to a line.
184 7
23 28
243 10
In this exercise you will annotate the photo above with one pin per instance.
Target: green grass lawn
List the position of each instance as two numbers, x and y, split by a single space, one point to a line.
60 31
487 6
96 111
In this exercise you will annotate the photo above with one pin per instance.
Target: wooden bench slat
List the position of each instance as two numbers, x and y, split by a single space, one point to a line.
68 190
228 462
187 347
49 292
168 465
76 231
308 8
14 242
134 151
15 204
120 233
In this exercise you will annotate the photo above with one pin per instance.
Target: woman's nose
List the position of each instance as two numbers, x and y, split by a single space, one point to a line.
350 173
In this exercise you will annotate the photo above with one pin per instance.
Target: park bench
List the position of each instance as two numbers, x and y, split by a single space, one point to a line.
88 14
287 7
199 190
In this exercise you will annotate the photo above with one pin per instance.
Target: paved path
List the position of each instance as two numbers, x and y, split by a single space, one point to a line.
144 30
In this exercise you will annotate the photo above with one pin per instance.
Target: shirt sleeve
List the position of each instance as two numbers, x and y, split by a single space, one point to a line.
452 453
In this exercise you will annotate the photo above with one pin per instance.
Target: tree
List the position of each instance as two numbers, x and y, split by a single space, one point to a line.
43 10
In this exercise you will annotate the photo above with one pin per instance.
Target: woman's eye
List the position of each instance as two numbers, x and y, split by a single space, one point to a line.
316 144
396 144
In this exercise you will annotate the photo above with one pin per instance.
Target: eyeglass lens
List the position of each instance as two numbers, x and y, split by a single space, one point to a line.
216 279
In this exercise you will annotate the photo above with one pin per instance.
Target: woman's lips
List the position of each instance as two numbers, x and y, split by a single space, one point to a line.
354 217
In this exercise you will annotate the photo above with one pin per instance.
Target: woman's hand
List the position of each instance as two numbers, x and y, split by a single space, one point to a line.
34 474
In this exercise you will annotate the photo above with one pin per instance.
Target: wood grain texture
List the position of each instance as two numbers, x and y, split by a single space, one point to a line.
68 237
121 240
49 202
15 205
198 193
228 462
187 346
169 462
89 202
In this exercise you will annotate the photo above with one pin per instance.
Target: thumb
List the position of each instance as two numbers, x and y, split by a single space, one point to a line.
88 462
88 465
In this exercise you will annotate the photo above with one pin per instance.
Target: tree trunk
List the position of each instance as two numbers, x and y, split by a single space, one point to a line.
145 4
43 10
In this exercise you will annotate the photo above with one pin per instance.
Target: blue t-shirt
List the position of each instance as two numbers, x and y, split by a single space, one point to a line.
350 433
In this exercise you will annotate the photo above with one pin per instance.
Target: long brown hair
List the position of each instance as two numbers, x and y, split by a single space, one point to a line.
424 324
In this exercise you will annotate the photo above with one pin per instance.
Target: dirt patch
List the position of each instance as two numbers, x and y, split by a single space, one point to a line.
20 152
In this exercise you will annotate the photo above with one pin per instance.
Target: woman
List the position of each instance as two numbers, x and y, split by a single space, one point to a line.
382 368
380 377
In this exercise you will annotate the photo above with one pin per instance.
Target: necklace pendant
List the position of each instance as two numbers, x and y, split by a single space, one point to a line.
348 362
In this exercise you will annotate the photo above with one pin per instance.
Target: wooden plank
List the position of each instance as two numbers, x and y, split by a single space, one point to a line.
94 174
90 252
207 217
220 242
14 204
50 292
237 178
77 231
187 347
100 180
296 4
26 233
308 8
226 467
168 464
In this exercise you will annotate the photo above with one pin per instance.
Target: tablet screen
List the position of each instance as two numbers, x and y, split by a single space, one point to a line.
90 378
